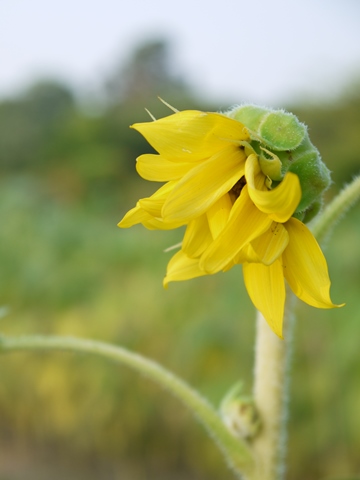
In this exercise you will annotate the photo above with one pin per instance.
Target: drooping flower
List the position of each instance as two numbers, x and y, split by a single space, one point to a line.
238 200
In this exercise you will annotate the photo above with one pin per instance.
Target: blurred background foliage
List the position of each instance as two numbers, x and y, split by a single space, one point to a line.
67 178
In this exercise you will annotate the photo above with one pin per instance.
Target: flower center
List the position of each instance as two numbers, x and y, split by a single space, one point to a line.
239 185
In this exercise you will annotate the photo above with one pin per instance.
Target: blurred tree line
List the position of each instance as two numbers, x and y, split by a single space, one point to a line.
45 131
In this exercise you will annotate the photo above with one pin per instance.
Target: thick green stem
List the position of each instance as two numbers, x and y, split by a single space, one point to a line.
236 452
271 383
324 223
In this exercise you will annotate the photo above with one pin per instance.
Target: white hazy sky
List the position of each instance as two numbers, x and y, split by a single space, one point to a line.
255 50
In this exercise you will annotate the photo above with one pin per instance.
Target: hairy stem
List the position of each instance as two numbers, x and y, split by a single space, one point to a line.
271 383
236 452
324 223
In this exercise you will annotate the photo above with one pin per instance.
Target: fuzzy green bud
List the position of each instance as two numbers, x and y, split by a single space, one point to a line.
239 413
282 144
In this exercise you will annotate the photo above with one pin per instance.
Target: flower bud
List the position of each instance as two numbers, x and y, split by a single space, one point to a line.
240 414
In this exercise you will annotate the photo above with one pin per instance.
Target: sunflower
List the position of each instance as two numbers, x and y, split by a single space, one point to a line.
238 205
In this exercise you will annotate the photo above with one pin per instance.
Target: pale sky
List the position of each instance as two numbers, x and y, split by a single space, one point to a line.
256 50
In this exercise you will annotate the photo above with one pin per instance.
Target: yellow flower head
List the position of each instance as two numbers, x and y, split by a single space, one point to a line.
238 198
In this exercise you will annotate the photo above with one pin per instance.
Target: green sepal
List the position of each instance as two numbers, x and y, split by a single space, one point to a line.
277 129
312 211
251 116
307 215
314 179
314 176
299 215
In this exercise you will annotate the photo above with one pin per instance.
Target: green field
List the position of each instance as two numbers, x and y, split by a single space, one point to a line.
71 271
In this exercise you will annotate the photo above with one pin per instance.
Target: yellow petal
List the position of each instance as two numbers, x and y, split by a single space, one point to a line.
271 244
281 202
139 215
191 135
133 216
254 176
265 286
218 215
181 267
203 185
246 254
153 223
148 217
154 204
243 256
245 223
197 237
156 168
305 267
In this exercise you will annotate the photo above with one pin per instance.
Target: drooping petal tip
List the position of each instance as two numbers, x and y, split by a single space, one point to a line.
266 288
181 267
305 267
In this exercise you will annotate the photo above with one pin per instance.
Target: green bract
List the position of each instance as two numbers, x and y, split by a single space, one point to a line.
282 144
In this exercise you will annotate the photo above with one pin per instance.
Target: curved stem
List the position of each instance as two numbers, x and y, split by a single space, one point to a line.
272 356
326 221
236 452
